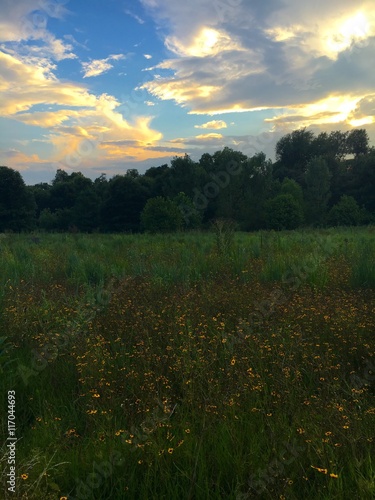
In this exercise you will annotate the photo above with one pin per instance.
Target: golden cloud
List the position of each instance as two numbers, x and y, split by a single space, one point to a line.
86 121
214 124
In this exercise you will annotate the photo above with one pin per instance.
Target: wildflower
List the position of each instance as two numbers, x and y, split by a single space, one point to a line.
233 361
324 471
24 476
170 451
96 395
335 476
187 431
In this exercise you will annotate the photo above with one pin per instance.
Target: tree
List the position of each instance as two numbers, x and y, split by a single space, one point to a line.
255 185
289 186
191 217
345 213
334 145
17 204
161 215
183 176
283 212
358 142
361 179
317 192
124 201
293 152
132 172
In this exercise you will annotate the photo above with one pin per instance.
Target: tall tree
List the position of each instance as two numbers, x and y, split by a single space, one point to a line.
123 204
17 204
358 142
293 152
317 192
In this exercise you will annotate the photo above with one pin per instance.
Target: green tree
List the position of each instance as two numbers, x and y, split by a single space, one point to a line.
290 186
17 204
183 176
161 215
293 152
283 212
191 217
345 213
317 192
358 142
255 185
124 201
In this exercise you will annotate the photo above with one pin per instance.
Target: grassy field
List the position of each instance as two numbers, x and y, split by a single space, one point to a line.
189 366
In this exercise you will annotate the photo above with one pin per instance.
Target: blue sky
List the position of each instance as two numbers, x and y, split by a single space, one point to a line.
101 86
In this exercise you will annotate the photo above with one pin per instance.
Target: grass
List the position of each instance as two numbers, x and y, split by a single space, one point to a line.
181 367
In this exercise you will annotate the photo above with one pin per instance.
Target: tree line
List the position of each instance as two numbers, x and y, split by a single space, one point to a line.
316 180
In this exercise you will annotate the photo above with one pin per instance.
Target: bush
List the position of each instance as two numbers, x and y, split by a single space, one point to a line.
345 213
283 212
161 215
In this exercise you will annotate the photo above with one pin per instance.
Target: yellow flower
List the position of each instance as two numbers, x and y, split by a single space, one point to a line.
170 451
233 362
333 475
324 471
96 395
187 431
24 476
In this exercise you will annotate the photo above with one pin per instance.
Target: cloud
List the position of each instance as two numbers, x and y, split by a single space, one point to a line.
214 124
99 66
266 55
134 16
23 29
22 161
81 126
209 136
147 56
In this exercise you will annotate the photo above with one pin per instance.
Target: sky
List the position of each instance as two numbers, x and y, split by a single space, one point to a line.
103 86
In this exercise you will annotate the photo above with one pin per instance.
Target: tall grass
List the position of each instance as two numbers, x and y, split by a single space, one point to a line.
146 346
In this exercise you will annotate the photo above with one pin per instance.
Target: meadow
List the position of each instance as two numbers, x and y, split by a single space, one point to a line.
212 365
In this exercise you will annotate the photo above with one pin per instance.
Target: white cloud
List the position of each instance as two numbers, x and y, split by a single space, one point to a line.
211 136
99 66
147 56
269 54
206 42
26 21
134 16
87 126
214 124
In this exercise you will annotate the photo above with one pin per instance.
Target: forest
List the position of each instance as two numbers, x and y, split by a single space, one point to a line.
316 180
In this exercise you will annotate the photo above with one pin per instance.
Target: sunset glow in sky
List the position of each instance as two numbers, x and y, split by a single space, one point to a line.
102 86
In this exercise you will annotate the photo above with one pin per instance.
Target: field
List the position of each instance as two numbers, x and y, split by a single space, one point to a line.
192 366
